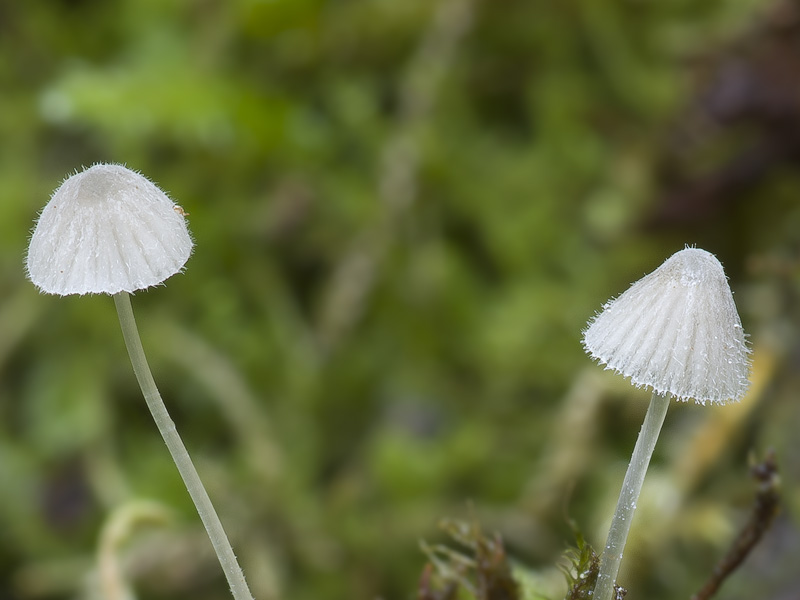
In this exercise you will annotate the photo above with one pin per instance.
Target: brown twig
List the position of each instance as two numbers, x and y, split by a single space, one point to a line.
765 509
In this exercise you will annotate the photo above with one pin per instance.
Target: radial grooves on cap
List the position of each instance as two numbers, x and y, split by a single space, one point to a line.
676 331
105 230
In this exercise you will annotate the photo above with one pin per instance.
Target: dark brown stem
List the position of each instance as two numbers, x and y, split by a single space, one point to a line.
765 509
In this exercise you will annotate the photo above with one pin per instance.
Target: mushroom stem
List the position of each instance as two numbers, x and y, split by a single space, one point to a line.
631 486
166 427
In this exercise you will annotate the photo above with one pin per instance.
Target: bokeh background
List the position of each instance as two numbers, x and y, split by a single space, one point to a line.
405 211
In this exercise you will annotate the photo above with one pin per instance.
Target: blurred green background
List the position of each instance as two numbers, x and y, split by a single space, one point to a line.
405 211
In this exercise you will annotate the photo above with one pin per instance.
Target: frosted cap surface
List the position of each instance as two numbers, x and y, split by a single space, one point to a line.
106 230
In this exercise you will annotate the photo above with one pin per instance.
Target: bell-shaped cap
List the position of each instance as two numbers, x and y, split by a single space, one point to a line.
676 331
106 230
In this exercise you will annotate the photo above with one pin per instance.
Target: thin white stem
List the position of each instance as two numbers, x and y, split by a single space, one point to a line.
166 427
628 496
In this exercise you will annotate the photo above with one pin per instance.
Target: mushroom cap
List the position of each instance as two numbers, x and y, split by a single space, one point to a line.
107 230
676 331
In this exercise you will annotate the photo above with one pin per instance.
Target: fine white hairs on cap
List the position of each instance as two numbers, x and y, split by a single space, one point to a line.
107 230
676 331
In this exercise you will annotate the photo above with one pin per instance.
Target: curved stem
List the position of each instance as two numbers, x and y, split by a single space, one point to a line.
631 486
166 427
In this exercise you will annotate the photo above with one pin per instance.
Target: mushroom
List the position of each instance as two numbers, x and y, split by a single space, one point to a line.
676 331
109 230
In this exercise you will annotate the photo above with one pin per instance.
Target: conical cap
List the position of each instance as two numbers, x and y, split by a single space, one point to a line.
105 230
676 331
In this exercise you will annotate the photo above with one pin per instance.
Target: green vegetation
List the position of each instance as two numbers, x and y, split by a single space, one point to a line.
404 212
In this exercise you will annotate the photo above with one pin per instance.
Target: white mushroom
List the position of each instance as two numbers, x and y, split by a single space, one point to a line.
677 332
109 230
